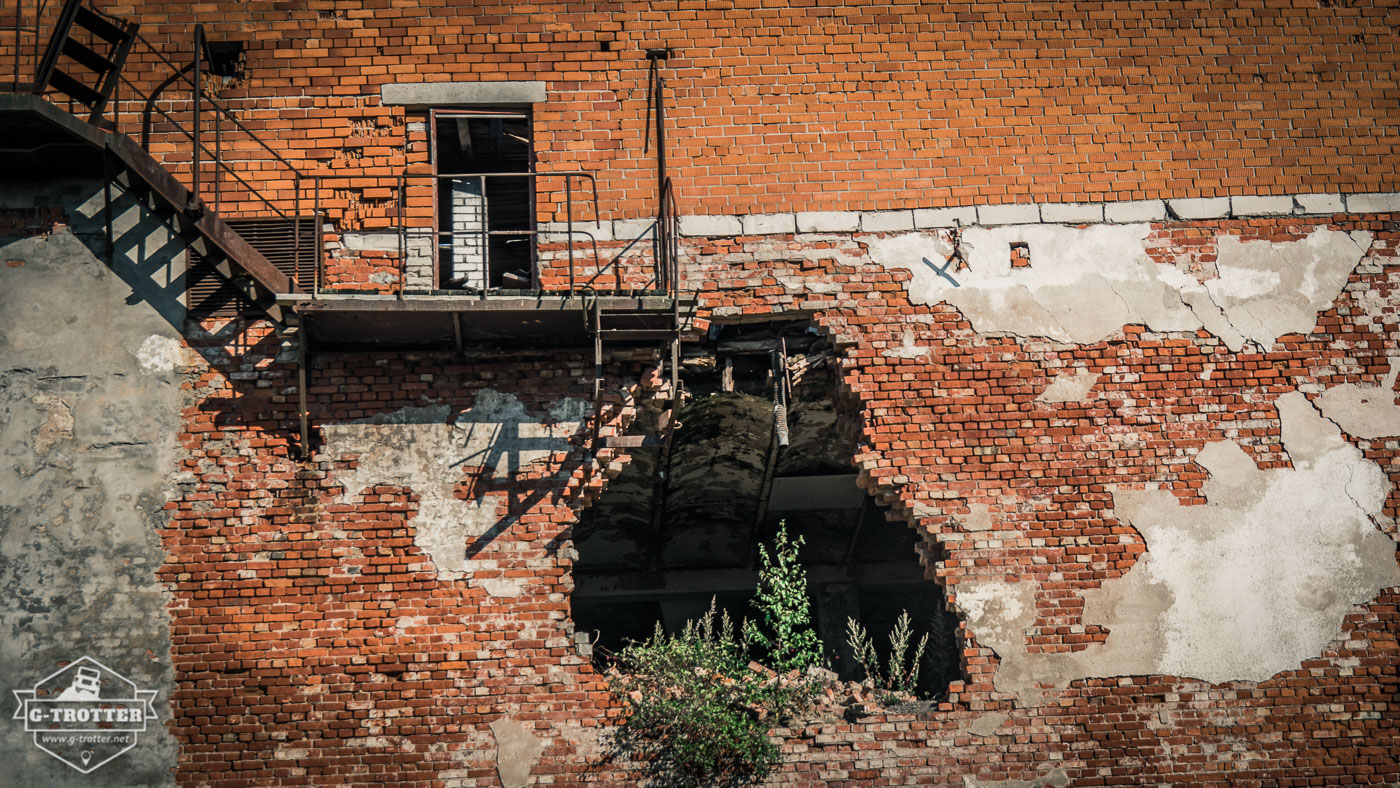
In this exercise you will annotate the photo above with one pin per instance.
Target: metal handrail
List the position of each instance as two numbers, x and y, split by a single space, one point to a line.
485 233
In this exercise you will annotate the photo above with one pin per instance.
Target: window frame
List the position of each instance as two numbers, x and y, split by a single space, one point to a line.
510 111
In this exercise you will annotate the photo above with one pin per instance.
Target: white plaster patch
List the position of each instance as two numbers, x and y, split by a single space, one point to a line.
1086 283
415 448
907 348
1366 412
1249 584
1069 387
503 587
160 354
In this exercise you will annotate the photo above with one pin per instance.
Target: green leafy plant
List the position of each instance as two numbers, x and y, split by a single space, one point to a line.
700 712
783 628
902 668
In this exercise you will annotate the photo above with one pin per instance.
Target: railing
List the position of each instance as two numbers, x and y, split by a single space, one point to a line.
189 154
26 34
663 232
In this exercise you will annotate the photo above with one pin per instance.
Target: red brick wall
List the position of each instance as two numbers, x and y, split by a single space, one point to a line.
831 105
294 668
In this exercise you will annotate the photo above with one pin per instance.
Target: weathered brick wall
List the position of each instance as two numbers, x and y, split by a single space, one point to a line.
823 106
318 641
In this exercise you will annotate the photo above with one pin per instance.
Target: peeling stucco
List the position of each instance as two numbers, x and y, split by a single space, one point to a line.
1086 283
1366 412
1249 584
517 750
1069 387
89 426
416 447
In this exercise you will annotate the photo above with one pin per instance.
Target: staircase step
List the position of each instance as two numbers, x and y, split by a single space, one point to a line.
637 334
66 83
84 54
99 26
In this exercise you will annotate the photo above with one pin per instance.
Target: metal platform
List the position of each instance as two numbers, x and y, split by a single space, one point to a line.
443 322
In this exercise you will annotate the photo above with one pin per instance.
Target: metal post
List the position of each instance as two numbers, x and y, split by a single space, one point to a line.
403 234
661 228
19 22
302 382
485 241
320 243
218 155
569 220
198 52
296 227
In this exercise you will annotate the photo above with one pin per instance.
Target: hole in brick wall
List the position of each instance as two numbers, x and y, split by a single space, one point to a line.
1020 255
670 533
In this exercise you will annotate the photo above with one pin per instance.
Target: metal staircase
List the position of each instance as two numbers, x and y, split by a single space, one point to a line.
97 57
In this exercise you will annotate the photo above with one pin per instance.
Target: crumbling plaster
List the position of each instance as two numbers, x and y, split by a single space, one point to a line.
419 448
1085 283
1242 588
91 370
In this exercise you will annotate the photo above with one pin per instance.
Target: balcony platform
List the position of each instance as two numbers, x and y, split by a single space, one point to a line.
439 321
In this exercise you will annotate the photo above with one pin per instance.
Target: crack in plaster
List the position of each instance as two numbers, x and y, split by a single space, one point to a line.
1366 412
1241 588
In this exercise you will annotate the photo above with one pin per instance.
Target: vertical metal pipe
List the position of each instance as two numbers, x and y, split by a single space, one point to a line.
569 221
19 22
661 173
320 242
296 225
218 155
403 233
485 241
198 53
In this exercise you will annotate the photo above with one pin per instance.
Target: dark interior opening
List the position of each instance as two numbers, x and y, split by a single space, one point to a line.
481 157
674 530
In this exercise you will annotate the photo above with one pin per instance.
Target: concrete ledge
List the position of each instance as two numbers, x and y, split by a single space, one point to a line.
886 221
1135 211
1201 208
1016 213
827 221
768 223
1261 206
1131 211
925 218
1319 203
448 94
718 225
1385 202
1072 212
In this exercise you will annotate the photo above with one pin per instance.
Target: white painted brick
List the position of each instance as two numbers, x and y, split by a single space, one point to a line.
768 223
1381 202
718 224
944 217
1201 207
886 221
1135 211
1320 203
828 221
627 229
1072 212
1261 206
1017 213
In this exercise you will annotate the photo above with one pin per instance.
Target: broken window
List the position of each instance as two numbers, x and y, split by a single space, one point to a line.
485 199
677 528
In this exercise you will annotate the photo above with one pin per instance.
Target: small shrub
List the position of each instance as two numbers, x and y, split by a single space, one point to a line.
700 714
902 668
784 625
